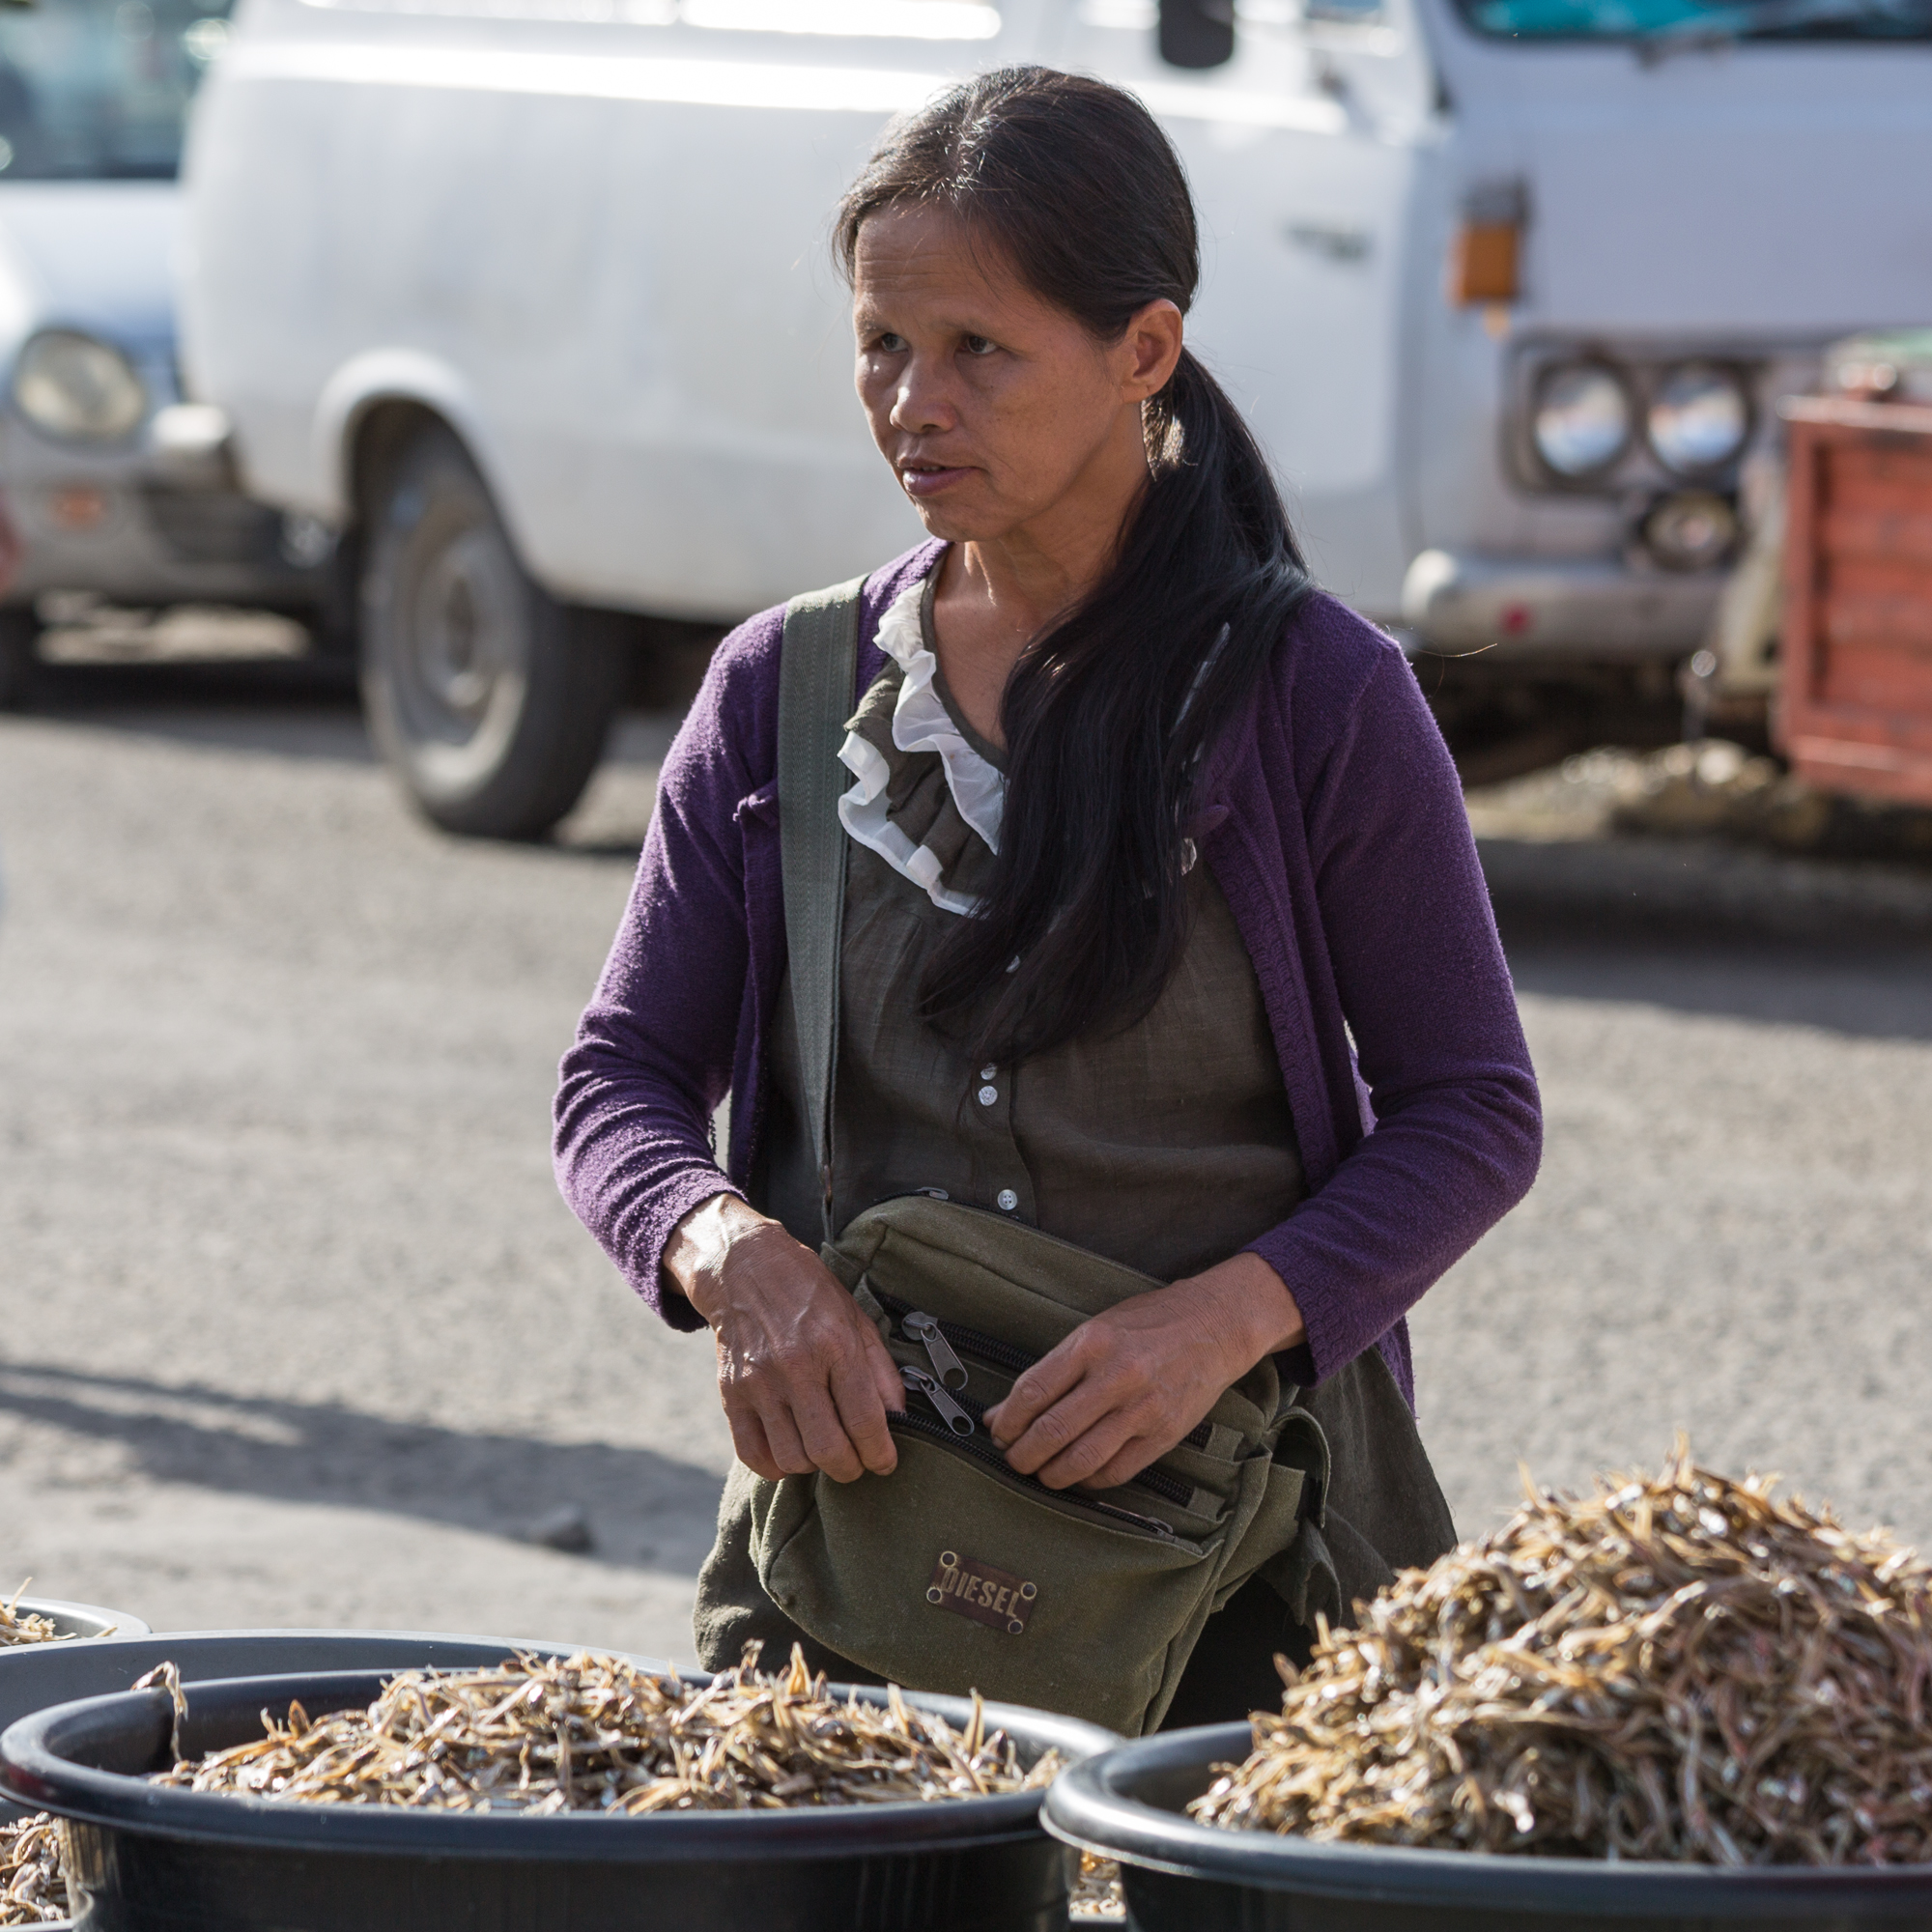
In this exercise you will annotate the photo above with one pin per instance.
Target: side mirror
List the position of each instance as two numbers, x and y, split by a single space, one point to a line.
1197 33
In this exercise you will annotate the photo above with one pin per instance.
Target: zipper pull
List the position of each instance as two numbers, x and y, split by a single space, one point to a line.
946 1365
956 1418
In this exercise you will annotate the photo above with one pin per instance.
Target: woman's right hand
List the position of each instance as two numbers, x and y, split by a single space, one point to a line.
803 1377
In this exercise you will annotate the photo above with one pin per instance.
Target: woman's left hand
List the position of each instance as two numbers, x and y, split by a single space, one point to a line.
1125 1387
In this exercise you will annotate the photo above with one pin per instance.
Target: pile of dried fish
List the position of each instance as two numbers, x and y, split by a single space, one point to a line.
30 1629
543 1735
32 1884
1678 1668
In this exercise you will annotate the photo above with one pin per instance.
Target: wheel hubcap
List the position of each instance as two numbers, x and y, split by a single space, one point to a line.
459 652
466 634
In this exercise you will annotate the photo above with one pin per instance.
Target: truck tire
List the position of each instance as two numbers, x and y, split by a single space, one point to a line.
19 662
490 699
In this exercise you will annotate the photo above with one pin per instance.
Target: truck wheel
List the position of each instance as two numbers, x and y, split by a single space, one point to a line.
490 697
19 664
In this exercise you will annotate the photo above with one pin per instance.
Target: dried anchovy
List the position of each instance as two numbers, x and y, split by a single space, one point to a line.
1678 1668
591 1733
33 1875
1096 1897
166 1676
30 1629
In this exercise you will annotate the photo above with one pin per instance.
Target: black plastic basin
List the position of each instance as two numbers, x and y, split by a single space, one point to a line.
153 1859
1131 1803
35 1676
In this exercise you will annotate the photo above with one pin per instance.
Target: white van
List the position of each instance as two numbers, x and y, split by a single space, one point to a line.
530 299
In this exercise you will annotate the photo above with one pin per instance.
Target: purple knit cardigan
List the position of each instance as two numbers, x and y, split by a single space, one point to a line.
1331 818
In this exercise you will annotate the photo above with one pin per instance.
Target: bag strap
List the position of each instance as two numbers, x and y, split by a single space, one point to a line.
818 663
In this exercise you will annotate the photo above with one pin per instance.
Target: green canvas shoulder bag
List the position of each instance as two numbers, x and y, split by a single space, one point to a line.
956 1572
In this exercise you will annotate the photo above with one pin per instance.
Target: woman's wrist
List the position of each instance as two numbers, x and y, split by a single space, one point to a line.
694 1256
1247 1309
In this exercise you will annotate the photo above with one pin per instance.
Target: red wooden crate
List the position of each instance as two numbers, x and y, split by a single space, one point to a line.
1854 712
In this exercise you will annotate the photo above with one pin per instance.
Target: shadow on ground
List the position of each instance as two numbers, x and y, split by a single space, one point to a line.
643 1510
302 708
306 707
1862 984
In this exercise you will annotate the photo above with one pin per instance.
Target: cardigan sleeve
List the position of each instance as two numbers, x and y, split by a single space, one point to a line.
1420 976
654 1051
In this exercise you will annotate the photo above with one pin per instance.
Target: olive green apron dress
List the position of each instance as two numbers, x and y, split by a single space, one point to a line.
1167 1148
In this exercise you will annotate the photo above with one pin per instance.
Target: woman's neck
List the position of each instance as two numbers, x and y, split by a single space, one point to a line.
994 597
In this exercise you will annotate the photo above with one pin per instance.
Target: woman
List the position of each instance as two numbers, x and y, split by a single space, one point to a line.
1149 841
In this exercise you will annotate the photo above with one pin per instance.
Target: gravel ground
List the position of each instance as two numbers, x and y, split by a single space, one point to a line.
298 1331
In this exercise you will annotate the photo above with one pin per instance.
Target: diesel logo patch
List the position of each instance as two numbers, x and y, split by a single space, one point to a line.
995 1598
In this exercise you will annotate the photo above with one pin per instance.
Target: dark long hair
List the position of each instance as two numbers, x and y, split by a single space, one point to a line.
1107 712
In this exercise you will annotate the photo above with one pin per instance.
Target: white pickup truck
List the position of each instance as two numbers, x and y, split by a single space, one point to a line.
530 300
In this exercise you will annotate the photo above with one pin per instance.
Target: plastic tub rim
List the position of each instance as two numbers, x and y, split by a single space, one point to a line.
120 1622
540 1646
33 1773
1090 1806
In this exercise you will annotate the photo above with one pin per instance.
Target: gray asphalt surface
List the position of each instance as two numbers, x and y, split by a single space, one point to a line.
296 1331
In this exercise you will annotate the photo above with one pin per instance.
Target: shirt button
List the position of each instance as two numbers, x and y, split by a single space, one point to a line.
987 1096
1007 1199
987 1072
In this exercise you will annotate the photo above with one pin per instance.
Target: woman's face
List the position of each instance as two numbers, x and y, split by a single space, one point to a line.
994 408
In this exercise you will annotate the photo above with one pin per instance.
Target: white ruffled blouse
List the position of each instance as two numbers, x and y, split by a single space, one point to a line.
920 723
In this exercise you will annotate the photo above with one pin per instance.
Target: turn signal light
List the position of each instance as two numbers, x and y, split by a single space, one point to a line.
1486 266
1486 260
76 509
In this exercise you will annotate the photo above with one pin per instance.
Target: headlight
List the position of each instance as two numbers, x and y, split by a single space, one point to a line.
1699 418
77 387
1581 422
